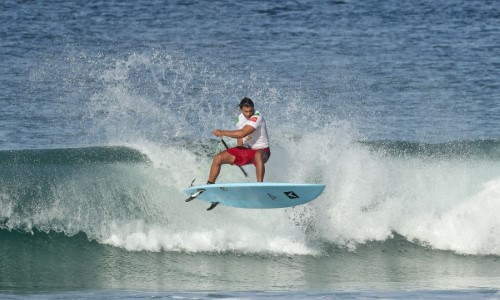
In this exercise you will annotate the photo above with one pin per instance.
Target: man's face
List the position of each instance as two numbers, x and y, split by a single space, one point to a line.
247 111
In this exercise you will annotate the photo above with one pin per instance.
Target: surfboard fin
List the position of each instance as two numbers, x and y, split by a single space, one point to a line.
193 196
213 205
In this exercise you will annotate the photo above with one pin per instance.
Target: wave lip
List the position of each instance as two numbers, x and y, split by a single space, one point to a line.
73 156
478 149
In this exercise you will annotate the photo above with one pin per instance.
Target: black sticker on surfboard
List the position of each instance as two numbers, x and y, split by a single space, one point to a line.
271 196
291 195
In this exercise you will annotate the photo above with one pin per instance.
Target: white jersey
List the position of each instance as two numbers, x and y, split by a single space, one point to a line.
257 139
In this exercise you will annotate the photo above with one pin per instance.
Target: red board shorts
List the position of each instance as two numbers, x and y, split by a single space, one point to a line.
244 156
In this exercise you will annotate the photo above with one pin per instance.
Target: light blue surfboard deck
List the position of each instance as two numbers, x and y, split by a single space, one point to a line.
257 194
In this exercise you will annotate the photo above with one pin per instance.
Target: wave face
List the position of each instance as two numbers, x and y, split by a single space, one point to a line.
442 196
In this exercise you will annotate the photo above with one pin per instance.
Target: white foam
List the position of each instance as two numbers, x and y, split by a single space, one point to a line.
470 226
243 234
448 204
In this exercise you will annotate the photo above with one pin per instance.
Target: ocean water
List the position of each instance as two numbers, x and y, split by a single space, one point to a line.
106 114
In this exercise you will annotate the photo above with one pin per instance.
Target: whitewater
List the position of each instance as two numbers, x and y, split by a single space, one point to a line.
132 198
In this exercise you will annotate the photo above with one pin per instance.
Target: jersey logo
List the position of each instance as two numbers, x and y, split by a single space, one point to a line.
291 195
254 119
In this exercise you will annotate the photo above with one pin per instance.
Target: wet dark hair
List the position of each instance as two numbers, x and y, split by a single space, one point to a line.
246 102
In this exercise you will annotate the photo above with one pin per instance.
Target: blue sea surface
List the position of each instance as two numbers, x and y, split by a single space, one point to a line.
106 114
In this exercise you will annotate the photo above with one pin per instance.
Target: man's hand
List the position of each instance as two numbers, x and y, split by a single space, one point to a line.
236 134
217 132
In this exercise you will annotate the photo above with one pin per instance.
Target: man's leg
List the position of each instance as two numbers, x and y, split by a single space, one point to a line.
260 160
220 159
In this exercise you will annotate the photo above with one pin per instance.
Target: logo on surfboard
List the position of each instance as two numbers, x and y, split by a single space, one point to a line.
271 196
291 195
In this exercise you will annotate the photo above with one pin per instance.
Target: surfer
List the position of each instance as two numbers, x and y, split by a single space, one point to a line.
252 141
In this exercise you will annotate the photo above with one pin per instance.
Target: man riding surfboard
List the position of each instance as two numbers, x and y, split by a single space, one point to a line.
252 141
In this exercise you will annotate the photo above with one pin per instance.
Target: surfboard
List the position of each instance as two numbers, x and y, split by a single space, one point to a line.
255 195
